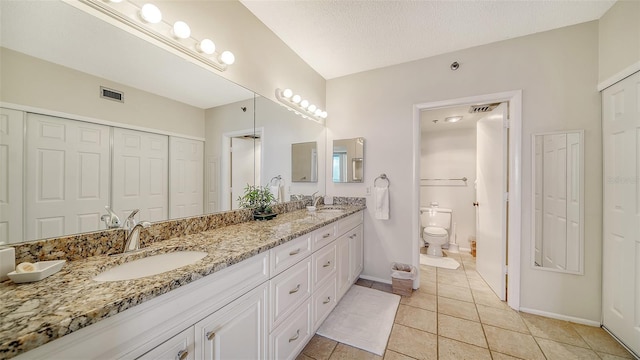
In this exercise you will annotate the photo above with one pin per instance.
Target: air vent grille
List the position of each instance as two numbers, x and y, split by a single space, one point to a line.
474 109
111 94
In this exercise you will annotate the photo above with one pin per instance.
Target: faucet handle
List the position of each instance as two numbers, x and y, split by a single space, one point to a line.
111 220
130 222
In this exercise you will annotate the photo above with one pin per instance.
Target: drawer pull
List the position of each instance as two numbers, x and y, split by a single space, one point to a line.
352 236
326 235
295 252
327 264
182 355
294 290
210 335
295 337
328 300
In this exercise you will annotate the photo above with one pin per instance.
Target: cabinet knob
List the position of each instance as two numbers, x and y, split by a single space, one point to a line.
326 235
295 337
327 264
295 290
182 355
352 236
210 335
295 252
328 300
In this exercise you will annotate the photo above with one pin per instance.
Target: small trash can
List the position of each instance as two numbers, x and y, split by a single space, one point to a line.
402 276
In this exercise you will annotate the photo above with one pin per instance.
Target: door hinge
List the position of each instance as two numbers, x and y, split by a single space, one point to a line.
506 196
506 269
505 122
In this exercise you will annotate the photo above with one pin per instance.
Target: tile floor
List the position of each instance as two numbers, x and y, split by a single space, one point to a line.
455 315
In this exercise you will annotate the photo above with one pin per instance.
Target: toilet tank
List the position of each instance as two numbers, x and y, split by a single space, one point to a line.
435 216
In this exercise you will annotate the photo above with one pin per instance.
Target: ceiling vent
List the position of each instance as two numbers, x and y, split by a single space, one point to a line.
111 94
474 109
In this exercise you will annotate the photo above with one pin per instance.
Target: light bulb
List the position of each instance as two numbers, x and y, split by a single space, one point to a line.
318 112
206 46
115 1
227 57
323 115
150 13
312 108
304 104
287 93
296 99
181 30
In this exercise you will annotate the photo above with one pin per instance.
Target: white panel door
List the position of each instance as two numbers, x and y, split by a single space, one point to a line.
554 201
213 184
490 193
538 200
67 176
11 152
186 164
140 174
242 167
621 223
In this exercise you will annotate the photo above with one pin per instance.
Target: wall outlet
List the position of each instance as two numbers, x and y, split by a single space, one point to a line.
368 191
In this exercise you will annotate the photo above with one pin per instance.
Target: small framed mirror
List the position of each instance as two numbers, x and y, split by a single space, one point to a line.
558 201
304 162
348 160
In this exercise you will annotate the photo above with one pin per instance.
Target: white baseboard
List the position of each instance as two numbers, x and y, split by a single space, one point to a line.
561 317
373 278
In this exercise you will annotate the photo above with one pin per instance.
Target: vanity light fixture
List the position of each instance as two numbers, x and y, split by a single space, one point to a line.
147 20
452 119
301 107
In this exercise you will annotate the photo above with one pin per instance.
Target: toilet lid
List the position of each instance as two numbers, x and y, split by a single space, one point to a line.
434 230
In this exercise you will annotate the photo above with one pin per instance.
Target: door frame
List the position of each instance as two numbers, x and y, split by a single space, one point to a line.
225 164
514 213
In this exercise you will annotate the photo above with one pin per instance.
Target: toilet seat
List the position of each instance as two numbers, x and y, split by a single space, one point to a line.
435 231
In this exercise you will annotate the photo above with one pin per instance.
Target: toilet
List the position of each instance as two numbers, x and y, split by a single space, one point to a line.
436 227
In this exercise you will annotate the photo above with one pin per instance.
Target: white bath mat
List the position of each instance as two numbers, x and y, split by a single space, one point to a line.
363 319
442 262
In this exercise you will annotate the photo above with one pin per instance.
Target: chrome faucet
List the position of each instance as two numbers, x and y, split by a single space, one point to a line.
315 199
111 220
133 236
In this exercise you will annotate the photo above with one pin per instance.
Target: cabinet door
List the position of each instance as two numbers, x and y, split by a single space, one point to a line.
179 347
356 261
237 331
343 265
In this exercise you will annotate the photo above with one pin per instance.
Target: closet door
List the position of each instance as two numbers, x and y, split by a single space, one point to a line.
621 225
187 170
67 176
11 152
140 174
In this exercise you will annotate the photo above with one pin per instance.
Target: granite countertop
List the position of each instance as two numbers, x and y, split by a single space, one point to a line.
33 314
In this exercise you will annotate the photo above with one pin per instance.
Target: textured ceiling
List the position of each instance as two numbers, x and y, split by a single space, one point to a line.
338 38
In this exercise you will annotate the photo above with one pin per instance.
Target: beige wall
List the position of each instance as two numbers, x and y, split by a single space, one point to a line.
33 82
619 38
557 72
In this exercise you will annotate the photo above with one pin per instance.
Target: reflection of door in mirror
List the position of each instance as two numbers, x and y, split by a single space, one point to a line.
304 162
242 167
348 160
557 201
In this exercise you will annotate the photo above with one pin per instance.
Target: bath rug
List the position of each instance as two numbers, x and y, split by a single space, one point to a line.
441 262
362 319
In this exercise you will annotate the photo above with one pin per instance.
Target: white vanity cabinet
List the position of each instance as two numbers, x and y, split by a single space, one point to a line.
350 254
179 347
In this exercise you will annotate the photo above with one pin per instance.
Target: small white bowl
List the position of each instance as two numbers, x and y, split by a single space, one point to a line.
311 208
44 269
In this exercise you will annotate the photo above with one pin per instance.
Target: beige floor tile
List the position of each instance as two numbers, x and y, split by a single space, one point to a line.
466 331
346 352
455 292
304 357
319 347
429 287
488 298
478 284
500 356
455 350
381 286
421 299
392 355
600 341
505 318
605 356
453 280
553 329
512 343
559 351
457 308
417 318
364 282
411 342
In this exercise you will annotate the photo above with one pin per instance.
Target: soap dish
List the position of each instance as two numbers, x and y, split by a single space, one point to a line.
44 269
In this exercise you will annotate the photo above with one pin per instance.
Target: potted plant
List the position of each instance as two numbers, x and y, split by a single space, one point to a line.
259 199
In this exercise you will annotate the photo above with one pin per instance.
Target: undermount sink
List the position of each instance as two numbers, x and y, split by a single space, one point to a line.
151 265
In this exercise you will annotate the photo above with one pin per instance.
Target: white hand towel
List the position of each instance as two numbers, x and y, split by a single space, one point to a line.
382 202
275 190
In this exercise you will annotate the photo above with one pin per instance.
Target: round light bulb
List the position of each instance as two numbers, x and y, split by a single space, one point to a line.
296 99
227 57
181 30
206 46
323 115
304 104
150 13
115 1
318 112
312 108
287 93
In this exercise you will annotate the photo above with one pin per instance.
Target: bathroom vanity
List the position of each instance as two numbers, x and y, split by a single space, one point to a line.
261 292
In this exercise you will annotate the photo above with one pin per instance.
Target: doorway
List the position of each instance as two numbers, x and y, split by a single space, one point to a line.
511 215
241 164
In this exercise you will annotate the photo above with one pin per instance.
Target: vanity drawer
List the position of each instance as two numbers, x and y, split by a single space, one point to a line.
323 236
324 300
288 340
324 264
349 222
288 290
286 255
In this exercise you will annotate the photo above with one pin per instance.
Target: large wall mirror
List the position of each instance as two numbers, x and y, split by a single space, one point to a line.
304 162
558 201
166 149
348 160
